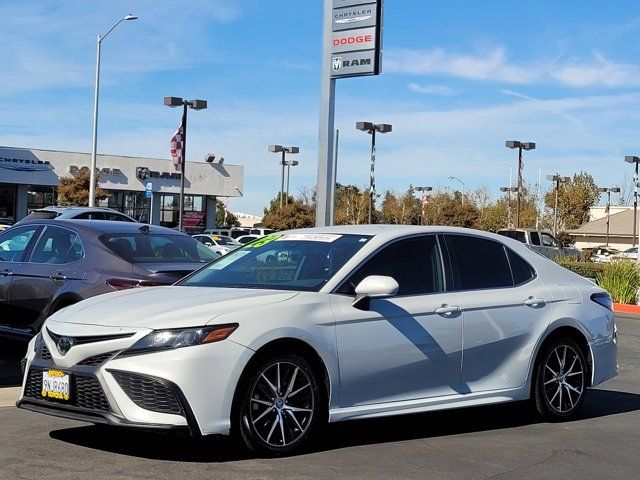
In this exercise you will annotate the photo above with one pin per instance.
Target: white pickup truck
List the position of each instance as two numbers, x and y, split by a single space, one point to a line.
542 242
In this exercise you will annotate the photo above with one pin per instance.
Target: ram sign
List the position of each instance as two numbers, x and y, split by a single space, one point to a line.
356 39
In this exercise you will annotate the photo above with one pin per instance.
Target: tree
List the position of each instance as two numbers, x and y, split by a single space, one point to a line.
575 198
402 210
274 204
74 191
224 218
293 215
352 205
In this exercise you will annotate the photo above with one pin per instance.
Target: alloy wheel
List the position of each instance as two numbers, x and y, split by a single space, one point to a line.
281 404
563 379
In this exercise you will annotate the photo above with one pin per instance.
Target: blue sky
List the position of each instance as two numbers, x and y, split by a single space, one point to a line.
459 78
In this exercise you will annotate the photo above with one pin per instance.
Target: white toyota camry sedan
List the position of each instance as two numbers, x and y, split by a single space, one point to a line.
273 340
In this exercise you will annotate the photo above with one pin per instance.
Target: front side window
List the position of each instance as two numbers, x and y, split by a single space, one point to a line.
157 248
415 263
548 240
57 246
299 262
535 238
14 243
479 263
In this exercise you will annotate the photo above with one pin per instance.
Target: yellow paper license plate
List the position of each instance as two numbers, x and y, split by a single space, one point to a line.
55 384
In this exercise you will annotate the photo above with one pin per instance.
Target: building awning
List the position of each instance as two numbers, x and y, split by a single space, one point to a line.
620 225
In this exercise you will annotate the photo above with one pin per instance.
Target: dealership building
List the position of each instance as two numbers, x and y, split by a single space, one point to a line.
29 178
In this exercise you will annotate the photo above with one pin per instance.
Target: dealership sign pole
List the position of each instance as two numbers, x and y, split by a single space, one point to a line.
352 41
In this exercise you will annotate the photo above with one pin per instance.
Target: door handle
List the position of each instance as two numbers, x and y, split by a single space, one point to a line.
535 302
6 272
448 309
58 276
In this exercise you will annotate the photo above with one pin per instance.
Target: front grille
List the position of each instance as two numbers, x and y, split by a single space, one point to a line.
90 339
86 392
149 393
45 354
96 359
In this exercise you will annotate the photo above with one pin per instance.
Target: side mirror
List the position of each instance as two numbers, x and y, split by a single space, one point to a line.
374 286
208 244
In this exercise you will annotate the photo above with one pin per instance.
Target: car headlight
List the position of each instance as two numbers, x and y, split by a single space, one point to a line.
159 340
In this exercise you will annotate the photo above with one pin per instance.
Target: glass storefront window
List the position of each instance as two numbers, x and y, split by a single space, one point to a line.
195 211
7 203
134 204
39 196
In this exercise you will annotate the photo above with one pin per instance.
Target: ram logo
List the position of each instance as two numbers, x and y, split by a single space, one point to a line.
337 64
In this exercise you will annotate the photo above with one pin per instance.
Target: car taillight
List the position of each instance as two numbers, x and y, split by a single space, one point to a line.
126 283
604 299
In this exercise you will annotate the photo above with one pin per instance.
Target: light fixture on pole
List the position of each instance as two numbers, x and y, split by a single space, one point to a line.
508 191
424 191
283 162
513 144
464 187
185 104
290 163
636 160
557 179
608 208
371 129
94 143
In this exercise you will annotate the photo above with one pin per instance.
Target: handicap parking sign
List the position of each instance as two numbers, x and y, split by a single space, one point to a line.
149 190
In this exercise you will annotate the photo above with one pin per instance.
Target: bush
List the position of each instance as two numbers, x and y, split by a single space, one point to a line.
585 269
622 280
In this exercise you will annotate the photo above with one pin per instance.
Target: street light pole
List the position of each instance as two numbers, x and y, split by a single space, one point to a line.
94 142
283 162
464 187
520 146
185 104
290 163
424 191
371 129
557 179
636 160
608 209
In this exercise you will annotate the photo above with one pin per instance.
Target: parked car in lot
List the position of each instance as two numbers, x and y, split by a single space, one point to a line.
220 244
629 254
602 254
78 213
46 265
541 242
334 323
244 239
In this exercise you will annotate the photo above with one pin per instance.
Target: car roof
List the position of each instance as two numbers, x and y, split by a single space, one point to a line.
102 226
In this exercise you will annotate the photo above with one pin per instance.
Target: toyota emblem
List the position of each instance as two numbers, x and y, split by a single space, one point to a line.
64 345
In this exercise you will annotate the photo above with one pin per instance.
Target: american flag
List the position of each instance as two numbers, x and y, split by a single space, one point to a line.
176 148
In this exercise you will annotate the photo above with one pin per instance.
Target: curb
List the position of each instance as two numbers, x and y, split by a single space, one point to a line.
623 308
9 396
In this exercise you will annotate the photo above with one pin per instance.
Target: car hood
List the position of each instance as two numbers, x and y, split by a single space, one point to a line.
167 307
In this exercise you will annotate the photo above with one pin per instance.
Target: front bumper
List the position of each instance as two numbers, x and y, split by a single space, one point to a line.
189 388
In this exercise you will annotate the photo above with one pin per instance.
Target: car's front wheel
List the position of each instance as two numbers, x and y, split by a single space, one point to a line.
561 380
281 405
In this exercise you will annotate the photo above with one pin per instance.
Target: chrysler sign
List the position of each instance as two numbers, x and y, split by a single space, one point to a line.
355 17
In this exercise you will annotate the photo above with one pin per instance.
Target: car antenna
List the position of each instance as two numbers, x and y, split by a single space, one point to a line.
144 229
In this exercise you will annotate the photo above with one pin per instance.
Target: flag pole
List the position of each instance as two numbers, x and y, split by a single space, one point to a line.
182 163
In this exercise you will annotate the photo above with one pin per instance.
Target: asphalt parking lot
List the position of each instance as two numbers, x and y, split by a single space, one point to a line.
498 442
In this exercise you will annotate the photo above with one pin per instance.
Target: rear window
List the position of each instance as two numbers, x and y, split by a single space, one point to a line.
157 248
515 234
41 215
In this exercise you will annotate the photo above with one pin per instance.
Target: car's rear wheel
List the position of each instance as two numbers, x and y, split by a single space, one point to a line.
281 405
561 380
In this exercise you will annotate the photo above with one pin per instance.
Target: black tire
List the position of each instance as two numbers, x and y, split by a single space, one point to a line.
281 421
560 382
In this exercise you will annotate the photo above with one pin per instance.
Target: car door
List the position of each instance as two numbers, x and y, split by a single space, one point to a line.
15 243
53 262
506 309
399 348
550 245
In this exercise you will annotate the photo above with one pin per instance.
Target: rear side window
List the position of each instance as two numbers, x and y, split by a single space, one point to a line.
535 238
150 248
90 216
515 234
414 263
521 270
116 217
479 263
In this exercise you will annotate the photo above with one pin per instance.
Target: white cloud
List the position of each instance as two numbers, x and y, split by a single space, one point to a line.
494 66
443 90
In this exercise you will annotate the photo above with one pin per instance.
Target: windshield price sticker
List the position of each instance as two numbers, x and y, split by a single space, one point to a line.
309 237
263 241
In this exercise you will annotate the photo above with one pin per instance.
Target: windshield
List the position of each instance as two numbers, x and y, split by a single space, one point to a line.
302 261
157 248
42 215
222 240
